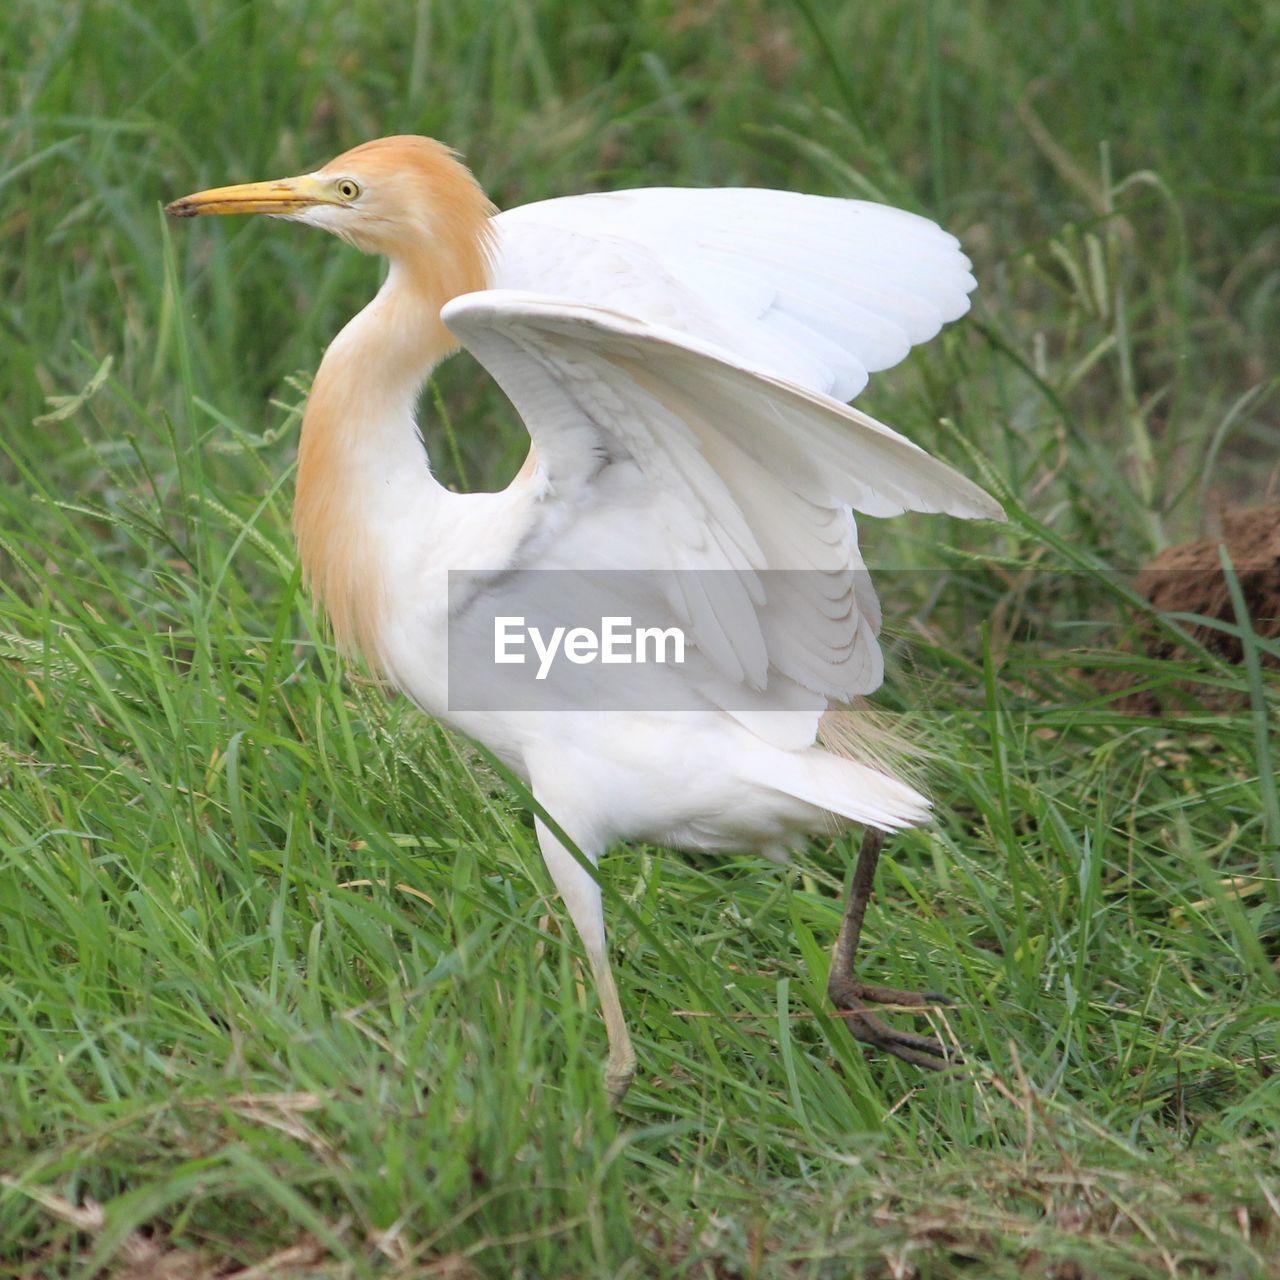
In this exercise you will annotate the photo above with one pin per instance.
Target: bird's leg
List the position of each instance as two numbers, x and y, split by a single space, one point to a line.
849 993
581 895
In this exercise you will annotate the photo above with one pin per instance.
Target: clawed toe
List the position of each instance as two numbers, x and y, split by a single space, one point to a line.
848 992
922 1051
852 996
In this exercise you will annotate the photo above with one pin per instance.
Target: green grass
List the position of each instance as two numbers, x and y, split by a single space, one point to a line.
282 980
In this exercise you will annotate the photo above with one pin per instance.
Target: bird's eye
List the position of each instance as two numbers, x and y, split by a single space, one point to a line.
347 189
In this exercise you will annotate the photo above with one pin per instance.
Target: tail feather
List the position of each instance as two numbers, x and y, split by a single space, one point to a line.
865 733
846 788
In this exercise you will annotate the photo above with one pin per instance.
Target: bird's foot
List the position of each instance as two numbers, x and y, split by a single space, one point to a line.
852 997
618 1074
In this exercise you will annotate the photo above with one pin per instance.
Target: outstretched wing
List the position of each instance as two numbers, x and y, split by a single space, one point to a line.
658 451
819 290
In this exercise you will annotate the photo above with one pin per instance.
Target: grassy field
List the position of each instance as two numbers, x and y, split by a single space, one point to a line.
284 988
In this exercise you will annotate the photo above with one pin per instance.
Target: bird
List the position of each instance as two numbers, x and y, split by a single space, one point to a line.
683 360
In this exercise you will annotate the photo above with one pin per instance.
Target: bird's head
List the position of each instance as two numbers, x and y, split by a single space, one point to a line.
395 196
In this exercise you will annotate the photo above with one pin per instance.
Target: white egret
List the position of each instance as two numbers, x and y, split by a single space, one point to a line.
681 359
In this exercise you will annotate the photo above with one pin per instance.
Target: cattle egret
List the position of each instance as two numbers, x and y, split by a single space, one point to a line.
681 359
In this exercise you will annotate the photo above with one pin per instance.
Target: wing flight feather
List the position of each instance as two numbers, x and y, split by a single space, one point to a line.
819 290
656 450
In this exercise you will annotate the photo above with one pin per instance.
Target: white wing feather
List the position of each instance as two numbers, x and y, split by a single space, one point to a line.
657 451
818 290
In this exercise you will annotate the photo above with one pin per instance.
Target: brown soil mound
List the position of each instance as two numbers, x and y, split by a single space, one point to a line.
1189 579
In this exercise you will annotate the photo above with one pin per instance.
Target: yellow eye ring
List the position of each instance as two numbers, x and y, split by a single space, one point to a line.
347 188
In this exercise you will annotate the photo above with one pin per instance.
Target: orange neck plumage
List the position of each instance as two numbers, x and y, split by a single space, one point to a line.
360 457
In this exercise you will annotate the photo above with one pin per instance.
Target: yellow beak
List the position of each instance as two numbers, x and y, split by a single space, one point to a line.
279 196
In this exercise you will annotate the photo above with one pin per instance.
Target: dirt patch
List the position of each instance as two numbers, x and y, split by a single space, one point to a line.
1189 579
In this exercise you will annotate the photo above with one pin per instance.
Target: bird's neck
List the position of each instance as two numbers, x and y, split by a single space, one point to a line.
363 474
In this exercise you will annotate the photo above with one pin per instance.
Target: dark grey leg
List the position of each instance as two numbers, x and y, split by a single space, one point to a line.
851 995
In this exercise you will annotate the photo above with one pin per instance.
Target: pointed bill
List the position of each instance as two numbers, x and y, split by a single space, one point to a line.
280 196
